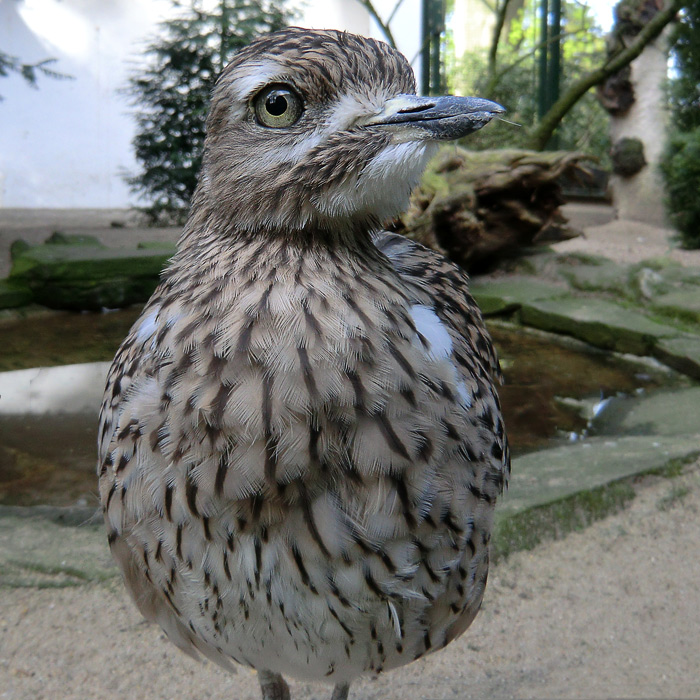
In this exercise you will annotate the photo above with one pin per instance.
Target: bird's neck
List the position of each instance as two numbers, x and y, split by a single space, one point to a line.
212 231
214 248
234 215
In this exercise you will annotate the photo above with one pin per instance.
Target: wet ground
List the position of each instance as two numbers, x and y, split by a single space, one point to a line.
48 417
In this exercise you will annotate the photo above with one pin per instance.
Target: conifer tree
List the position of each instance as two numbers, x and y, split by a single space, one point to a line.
171 92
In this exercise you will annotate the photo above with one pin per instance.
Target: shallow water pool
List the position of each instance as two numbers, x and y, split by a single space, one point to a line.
48 411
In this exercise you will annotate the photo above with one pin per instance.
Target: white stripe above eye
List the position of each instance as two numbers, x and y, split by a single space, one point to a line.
255 75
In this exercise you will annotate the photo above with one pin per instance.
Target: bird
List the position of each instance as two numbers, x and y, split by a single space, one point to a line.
301 442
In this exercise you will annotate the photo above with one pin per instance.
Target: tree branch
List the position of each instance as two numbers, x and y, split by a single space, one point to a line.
541 134
501 10
384 26
496 79
393 12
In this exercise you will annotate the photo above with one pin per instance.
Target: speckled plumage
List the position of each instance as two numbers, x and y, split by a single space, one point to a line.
301 443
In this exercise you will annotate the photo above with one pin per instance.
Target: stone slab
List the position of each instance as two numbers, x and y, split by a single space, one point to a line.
678 275
53 547
683 303
667 413
544 477
73 263
88 277
506 295
681 353
601 276
78 239
601 323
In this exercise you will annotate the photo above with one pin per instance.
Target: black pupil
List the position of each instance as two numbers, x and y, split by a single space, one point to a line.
276 104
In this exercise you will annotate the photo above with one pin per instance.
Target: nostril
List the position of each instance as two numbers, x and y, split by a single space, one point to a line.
417 108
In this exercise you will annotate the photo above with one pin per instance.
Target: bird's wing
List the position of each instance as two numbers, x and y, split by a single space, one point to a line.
442 288
442 304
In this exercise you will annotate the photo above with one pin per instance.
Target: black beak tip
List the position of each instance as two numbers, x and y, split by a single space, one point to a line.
479 104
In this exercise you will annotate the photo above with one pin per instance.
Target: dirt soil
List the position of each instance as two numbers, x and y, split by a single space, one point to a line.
612 611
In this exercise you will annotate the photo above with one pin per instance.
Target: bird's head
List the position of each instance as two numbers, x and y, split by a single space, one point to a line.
322 130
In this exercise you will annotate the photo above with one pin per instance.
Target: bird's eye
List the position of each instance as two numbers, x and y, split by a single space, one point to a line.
277 106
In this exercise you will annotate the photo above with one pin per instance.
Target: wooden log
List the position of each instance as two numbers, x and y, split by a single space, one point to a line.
479 207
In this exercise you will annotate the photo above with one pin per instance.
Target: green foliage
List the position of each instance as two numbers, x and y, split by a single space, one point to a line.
172 90
513 82
681 170
29 71
685 86
681 162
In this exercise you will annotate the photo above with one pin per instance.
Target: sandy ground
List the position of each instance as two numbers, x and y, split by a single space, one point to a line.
621 241
612 611
609 612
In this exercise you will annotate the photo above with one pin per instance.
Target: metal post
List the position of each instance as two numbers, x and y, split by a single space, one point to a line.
435 47
542 86
425 50
433 24
225 30
554 67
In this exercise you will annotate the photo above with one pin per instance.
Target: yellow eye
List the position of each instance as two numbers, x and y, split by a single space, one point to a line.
277 106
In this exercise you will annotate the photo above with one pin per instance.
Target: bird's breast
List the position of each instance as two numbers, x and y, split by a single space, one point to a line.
296 427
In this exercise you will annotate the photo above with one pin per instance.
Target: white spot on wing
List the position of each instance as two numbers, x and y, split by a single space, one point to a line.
429 325
148 325
433 330
464 394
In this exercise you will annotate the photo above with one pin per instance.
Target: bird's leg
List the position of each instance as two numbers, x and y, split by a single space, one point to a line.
340 692
273 686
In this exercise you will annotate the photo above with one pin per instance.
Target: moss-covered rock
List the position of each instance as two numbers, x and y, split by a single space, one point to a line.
163 246
14 294
558 490
18 247
509 294
88 277
681 353
667 413
599 275
78 239
601 323
681 303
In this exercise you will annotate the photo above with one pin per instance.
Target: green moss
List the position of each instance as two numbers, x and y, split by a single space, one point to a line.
18 247
628 157
77 239
84 277
526 529
14 294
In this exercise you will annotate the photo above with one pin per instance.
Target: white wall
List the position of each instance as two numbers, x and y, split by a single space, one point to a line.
65 144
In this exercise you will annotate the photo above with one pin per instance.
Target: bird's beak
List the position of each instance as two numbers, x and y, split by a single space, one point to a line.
435 118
